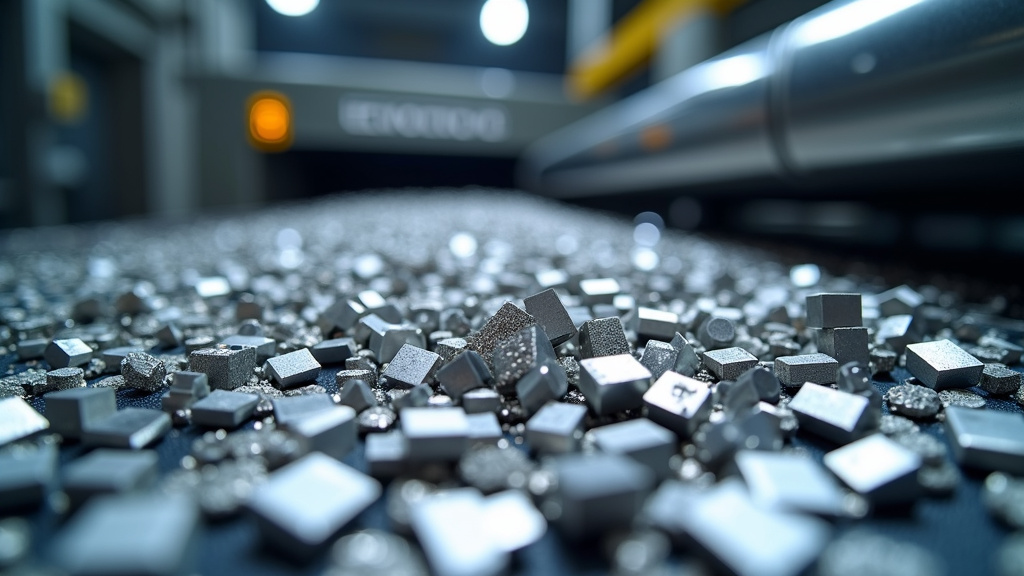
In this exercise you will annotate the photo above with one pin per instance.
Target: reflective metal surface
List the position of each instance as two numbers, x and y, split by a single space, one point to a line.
856 82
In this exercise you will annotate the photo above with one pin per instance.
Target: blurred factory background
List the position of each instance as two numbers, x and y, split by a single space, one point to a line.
867 123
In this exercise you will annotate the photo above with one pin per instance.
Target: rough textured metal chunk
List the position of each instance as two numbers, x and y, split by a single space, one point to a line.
131 427
986 439
515 356
913 401
306 503
599 290
603 337
545 382
224 409
71 411
729 363
435 433
294 368
387 454
892 424
265 347
334 351
659 357
678 403
1012 352
142 371
882 361
105 471
376 419
556 428
412 366
737 540
877 468
960 397
613 383
344 376
26 473
764 382
716 333
834 310
294 408
789 482
508 320
115 535
640 439
67 352
226 367
818 368
465 372
599 492
484 428
551 315
844 344
65 379
481 400
943 364
357 395
838 416
332 431
999 380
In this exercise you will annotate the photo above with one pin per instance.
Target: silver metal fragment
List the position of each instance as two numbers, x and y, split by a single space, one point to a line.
224 409
986 439
729 363
838 416
71 411
942 364
818 368
913 401
613 383
556 428
877 468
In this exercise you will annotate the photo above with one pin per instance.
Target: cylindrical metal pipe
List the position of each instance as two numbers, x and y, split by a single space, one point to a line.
856 82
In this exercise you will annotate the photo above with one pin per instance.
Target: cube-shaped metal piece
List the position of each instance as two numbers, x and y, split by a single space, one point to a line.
106 471
789 482
834 310
411 366
70 411
613 383
133 428
999 380
729 363
599 492
334 351
481 400
303 505
449 348
435 433
547 309
19 419
599 290
818 368
416 397
844 344
65 379
291 409
224 409
541 384
387 454
603 337
465 372
25 476
897 331
659 357
640 439
841 417
654 323
67 352
332 431
556 428
678 403
357 395
340 316
484 428
294 368
986 439
226 367
942 364
877 468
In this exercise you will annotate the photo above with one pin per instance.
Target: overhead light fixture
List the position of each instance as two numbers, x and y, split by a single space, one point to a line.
270 121
293 7
504 22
